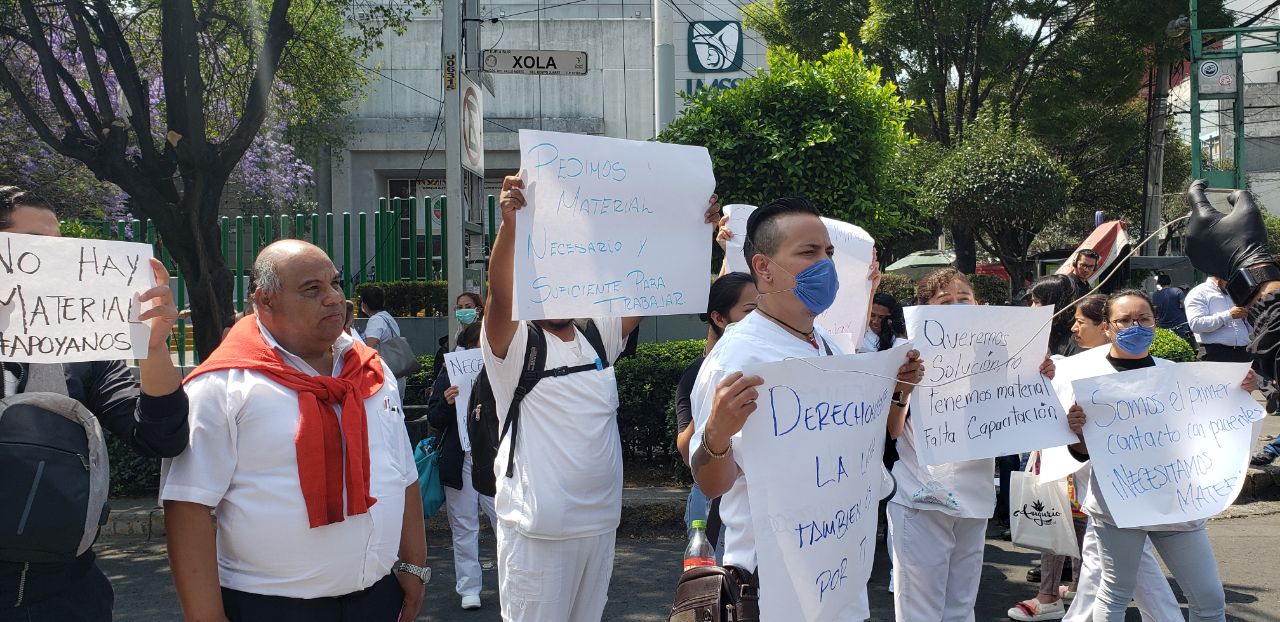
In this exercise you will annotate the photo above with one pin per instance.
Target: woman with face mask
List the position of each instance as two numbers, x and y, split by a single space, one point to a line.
462 500
938 515
1184 547
468 309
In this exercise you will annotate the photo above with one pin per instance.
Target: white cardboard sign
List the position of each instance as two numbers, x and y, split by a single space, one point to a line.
1169 444
982 394
854 246
611 228
463 366
811 453
64 300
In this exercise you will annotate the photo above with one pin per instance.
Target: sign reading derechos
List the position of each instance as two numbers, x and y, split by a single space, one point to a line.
64 300
612 228
811 453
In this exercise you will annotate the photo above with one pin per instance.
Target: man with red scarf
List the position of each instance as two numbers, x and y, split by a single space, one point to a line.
298 448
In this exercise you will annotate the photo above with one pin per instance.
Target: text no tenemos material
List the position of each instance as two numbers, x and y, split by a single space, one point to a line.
64 300
853 249
611 228
811 453
982 394
463 366
1169 444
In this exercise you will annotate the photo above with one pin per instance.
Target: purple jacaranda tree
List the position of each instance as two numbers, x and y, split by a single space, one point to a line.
165 99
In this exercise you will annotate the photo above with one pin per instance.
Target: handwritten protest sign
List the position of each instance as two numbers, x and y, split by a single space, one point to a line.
811 453
1168 444
463 366
982 395
64 300
612 227
848 314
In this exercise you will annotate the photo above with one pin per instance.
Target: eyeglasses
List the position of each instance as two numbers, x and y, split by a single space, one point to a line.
1089 266
1145 322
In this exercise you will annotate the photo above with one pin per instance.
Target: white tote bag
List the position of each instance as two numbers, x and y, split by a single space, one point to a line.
1040 514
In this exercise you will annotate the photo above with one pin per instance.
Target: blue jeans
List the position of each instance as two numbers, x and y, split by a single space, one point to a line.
696 508
1273 448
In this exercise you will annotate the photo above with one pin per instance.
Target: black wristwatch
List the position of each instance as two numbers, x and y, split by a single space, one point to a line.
899 399
1245 283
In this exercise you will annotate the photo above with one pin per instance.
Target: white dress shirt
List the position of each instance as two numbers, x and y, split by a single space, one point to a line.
242 463
1209 316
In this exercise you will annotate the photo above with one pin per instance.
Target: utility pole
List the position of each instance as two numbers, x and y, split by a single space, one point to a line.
664 67
1155 157
464 181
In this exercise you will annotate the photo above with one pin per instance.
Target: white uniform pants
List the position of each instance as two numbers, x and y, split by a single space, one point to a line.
1151 593
464 522
553 580
937 564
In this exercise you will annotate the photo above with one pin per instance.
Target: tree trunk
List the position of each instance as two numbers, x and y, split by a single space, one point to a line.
966 250
192 237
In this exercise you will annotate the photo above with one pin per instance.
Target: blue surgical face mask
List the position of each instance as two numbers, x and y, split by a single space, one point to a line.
816 286
1135 340
465 316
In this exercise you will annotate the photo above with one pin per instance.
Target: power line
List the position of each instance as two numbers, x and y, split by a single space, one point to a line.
541 8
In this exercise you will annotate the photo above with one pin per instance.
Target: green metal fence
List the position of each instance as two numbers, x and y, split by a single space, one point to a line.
395 242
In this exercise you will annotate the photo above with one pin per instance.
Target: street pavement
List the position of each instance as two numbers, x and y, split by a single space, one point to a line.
1246 539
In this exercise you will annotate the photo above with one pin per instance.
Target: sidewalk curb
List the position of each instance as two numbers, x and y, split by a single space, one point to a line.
1260 483
645 512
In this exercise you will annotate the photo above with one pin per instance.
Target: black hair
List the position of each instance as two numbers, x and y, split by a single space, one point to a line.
725 292
1163 280
475 299
374 298
893 326
1094 307
763 236
1111 302
13 197
1057 291
1088 252
469 336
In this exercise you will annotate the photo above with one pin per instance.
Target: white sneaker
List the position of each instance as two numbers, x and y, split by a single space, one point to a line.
470 602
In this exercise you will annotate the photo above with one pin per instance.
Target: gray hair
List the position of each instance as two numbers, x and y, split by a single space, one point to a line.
266 273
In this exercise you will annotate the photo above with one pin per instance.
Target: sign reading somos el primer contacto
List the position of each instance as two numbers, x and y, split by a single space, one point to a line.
1168 444
64 300
811 453
982 394
854 246
611 227
463 366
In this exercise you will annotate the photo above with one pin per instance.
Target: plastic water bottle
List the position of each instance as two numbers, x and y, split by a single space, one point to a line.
699 552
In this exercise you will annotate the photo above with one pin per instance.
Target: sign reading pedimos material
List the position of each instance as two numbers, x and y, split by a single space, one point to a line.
64 300
611 228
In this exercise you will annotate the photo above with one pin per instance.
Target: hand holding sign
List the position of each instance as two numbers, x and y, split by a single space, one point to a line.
612 227
163 313
734 401
1168 444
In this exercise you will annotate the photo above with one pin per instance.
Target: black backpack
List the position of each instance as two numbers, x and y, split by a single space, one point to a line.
54 461
482 411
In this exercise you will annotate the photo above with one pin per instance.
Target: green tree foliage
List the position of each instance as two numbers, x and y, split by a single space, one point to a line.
828 130
810 28
1000 186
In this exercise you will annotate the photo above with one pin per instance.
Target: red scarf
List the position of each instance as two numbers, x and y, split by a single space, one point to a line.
320 437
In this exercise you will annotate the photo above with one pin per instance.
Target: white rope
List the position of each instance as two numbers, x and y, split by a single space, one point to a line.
1049 322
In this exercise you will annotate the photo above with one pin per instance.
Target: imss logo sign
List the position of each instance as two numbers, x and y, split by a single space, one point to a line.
715 47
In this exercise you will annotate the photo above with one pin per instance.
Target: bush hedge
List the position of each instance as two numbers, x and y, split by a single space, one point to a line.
646 398
131 473
1168 345
902 288
413 298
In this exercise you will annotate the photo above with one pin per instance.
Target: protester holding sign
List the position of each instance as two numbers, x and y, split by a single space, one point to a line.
789 253
732 297
938 516
1183 546
448 400
559 466
150 414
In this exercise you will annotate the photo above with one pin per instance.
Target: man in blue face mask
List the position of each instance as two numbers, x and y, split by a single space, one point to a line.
789 252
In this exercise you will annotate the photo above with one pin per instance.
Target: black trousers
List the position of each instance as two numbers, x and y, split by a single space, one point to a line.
380 602
1224 354
87 600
